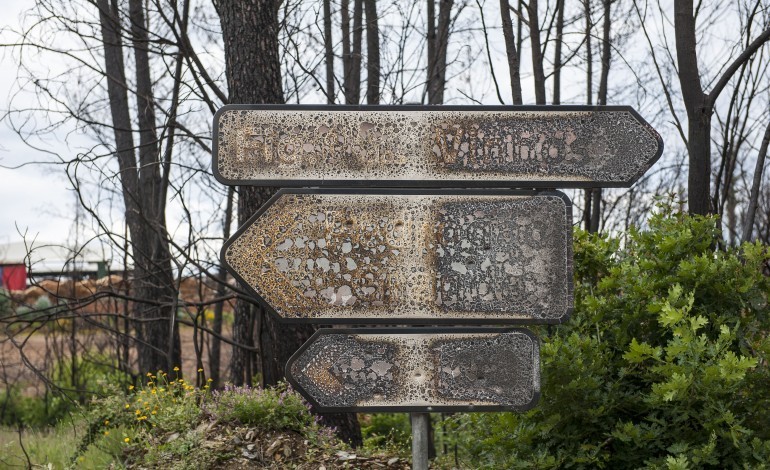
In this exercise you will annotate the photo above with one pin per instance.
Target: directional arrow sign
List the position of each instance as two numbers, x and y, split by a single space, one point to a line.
428 257
418 369
413 146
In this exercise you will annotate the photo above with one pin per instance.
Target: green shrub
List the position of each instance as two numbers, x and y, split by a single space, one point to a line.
663 364
278 408
387 431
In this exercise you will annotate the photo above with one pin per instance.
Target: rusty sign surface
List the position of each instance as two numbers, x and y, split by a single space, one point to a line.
418 146
418 369
420 256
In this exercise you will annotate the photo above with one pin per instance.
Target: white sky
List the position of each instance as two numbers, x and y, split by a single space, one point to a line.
33 200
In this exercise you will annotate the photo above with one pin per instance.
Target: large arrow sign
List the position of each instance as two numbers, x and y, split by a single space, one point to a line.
426 257
418 369
412 146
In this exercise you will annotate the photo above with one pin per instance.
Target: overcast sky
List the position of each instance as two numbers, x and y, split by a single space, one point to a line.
35 200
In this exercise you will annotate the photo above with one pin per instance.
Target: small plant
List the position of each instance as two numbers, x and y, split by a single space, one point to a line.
278 408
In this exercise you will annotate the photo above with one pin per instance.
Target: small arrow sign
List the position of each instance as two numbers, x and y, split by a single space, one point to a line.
428 257
418 369
419 146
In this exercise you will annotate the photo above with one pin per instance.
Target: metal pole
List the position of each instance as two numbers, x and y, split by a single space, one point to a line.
419 441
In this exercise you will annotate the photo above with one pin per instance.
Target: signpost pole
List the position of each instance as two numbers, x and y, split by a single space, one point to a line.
419 441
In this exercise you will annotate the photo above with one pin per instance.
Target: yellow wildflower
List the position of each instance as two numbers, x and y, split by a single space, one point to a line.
128 406
130 387
106 422
176 369
126 440
106 433
200 370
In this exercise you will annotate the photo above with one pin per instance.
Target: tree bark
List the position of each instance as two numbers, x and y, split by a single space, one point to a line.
557 52
142 188
253 71
756 183
698 111
589 53
511 52
596 194
154 278
215 352
438 38
328 46
372 53
351 51
537 52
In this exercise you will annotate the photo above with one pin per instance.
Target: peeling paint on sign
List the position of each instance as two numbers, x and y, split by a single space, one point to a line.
417 146
430 256
418 369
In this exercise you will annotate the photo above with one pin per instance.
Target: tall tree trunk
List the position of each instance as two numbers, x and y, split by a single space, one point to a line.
537 52
215 352
154 278
589 193
372 53
596 194
351 52
358 33
328 46
253 71
557 52
756 184
142 191
511 51
589 53
699 110
347 58
438 39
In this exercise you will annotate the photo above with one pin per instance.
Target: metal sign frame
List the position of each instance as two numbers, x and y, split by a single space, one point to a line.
417 331
407 320
459 183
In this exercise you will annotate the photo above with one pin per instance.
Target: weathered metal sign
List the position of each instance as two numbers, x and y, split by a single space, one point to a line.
420 256
418 369
417 146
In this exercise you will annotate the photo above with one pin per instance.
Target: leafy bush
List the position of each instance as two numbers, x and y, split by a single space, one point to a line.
663 364
391 431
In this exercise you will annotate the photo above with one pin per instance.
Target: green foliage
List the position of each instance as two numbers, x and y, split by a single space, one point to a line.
277 408
390 431
663 364
63 395
32 411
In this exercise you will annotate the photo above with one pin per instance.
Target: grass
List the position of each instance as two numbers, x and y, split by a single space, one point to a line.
52 447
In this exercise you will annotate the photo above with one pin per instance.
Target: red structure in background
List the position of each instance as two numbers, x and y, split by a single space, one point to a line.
13 276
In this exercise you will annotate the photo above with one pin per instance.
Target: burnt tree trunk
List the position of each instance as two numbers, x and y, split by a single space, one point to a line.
511 51
215 352
372 53
438 39
329 49
537 52
596 194
143 189
698 111
253 72
557 52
